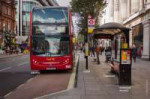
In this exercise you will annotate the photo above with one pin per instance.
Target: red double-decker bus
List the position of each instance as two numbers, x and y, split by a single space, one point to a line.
51 39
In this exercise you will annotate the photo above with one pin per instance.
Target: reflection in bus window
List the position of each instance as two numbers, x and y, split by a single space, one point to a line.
53 15
50 46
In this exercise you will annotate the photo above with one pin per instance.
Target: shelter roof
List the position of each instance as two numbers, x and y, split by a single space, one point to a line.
110 28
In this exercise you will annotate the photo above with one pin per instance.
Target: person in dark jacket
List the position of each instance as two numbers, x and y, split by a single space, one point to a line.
97 53
134 50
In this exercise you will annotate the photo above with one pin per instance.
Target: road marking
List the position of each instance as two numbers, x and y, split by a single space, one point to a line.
5 69
147 88
125 87
124 90
8 94
109 76
19 86
86 71
22 64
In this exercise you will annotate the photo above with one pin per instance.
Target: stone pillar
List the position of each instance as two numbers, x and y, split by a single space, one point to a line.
123 8
21 18
111 10
18 16
116 10
146 39
128 8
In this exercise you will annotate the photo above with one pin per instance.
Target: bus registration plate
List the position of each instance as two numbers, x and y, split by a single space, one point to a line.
51 68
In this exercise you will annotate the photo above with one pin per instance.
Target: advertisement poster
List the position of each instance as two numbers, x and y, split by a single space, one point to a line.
125 56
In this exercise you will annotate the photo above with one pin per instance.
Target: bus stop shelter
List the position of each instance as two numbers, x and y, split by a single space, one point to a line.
111 31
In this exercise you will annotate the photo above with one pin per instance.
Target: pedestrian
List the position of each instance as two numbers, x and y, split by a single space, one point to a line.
92 51
134 50
97 53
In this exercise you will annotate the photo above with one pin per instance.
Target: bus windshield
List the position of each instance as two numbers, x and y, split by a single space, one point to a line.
50 45
53 15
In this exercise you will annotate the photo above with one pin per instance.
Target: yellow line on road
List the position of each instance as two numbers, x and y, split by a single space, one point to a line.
23 63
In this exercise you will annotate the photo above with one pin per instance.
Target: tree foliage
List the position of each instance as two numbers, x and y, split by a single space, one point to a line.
88 7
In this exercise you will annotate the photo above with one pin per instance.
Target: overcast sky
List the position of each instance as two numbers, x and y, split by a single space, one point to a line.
63 2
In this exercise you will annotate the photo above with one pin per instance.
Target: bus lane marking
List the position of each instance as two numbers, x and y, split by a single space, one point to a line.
22 64
5 69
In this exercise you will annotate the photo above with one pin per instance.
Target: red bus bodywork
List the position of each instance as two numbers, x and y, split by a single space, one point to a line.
53 62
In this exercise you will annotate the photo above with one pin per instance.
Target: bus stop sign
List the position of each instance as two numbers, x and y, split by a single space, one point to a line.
91 22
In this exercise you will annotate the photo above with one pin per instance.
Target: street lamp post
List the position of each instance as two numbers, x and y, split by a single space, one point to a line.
86 48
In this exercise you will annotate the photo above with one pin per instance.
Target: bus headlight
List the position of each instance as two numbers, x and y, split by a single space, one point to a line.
68 66
66 61
35 62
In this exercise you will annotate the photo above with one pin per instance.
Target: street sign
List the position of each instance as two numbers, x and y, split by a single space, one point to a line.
91 22
90 29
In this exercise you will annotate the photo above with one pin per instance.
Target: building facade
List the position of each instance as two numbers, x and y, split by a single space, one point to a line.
23 9
7 19
134 14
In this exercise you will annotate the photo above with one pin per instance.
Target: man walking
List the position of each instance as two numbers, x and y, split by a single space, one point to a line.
97 53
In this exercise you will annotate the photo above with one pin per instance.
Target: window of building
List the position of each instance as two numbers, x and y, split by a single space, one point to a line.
9 25
9 11
135 6
147 1
26 6
4 26
4 10
0 25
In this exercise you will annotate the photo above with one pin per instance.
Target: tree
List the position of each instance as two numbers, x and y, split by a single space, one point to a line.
87 7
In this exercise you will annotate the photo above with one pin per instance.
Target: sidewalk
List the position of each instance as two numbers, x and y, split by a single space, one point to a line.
99 84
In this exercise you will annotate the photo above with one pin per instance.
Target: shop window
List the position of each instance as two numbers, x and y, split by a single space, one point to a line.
148 1
138 37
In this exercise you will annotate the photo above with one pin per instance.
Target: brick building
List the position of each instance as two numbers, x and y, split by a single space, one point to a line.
7 18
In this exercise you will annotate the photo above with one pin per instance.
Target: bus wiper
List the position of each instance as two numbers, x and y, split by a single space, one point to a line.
50 54
37 22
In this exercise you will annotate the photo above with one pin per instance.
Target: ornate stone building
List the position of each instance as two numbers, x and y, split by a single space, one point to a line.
23 9
134 14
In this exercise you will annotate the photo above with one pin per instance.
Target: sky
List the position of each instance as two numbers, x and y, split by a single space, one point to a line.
63 2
